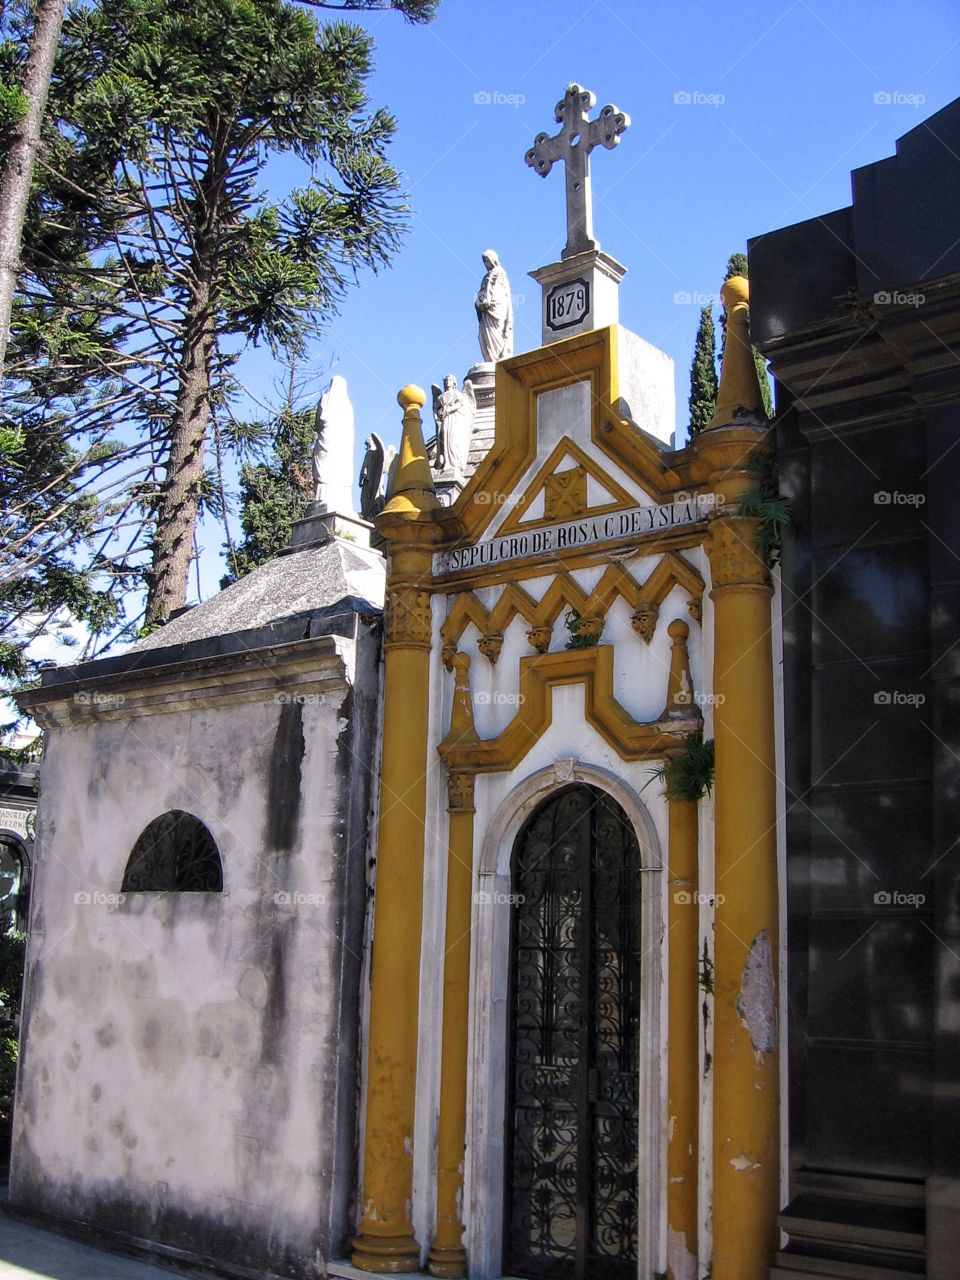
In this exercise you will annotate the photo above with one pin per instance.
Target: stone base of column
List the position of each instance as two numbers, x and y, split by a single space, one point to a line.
386 1255
447 1264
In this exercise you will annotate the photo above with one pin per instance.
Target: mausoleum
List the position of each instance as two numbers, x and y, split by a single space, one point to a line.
420 906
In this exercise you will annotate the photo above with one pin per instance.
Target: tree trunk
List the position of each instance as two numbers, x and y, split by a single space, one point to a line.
180 495
18 166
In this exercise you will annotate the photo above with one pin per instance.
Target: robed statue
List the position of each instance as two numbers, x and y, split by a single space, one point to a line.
376 476
453 411
333 449
495 310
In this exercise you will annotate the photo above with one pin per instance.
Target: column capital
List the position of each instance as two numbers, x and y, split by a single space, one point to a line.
735 562
408 618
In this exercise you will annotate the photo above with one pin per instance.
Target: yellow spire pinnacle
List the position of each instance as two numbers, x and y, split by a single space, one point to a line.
413 492
739 395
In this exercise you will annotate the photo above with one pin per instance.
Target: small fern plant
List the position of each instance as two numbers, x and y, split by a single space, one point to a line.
763 502
578 639
689 775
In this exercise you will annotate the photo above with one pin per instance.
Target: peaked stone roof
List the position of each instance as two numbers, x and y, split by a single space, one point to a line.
301 582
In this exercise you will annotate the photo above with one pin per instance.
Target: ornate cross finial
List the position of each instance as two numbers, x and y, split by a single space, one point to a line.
571 114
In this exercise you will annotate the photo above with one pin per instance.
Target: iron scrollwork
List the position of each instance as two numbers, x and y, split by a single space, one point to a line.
573 1137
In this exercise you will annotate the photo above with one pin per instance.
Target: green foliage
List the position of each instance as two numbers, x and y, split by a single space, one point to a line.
274 493
703 374
12 955
763 502
13 107
412 10
689 775
578 639
736 266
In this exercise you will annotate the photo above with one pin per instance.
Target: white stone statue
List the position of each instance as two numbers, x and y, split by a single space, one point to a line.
376 476
453 410
495 310
333 449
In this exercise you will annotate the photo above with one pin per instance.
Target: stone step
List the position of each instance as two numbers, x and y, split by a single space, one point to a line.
778 1272
825 1221
793 1266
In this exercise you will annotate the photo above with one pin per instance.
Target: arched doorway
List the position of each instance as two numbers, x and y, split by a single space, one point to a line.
572 1127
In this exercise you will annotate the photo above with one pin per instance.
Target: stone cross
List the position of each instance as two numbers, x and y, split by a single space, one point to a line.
577 138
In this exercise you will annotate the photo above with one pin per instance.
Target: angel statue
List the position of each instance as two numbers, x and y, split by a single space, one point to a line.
495 310
453 410
333 449
376 475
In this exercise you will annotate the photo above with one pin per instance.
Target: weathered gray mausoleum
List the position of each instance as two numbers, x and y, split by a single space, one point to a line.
189 1072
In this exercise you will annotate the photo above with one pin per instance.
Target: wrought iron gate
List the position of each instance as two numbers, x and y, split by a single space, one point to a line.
572 1124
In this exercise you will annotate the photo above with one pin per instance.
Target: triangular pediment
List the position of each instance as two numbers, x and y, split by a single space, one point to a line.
568 484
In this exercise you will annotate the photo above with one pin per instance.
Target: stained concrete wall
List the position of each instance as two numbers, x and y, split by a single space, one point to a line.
189 1066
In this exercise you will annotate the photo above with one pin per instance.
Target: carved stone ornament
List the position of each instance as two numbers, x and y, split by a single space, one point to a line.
490 646
644 619
447 655
590 626
695 608
408 618
565 769
565 494
540 638
460 792
734 559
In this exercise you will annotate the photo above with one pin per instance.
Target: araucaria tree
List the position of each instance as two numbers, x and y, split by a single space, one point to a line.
703 374
154 206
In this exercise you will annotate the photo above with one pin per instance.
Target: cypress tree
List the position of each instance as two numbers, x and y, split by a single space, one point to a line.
703 374
274 493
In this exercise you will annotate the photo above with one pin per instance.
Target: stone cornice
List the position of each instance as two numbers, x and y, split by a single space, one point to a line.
284 672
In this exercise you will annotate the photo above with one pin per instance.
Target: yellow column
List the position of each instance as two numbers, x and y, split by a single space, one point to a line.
746 1103
683 1061
448 1256
386 1242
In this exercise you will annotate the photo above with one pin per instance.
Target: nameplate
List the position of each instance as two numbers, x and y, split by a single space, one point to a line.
574 535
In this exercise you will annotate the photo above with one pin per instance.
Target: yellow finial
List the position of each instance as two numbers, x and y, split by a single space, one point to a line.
739 395
413 491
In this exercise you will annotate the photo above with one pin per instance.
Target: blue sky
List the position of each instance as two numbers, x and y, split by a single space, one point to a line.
788 98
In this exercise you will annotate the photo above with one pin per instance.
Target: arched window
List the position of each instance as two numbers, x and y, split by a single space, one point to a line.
14 882
174 852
